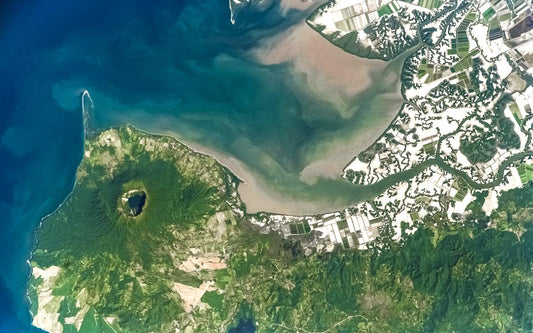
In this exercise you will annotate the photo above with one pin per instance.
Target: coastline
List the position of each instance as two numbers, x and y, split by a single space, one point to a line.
86 117
327 77
253 191
331 164
325 161
334 76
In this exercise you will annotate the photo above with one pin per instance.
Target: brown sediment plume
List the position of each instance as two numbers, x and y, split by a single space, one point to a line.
255 193
329 71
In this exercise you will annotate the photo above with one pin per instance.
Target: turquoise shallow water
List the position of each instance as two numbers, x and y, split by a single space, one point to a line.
162 65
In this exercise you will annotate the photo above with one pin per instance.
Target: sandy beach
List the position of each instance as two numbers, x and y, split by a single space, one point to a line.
257 195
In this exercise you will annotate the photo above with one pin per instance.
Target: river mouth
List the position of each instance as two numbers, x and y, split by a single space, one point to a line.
289 121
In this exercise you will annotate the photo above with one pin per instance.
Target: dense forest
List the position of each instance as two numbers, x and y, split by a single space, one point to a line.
463 277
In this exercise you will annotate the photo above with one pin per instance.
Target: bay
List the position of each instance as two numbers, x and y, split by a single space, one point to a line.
169 67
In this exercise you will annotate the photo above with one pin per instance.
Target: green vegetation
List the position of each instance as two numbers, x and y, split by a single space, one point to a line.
462 189
388 36
481 145
386 10
489 13
460 43
430 148
115 263
476 282
119 272
95 224
516 113
515 212
299 227
526 173
216 301
431 4
355 176
506 135
434 72
466 279
351 44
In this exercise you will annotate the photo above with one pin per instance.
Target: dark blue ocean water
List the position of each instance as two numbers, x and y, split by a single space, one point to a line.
169 65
